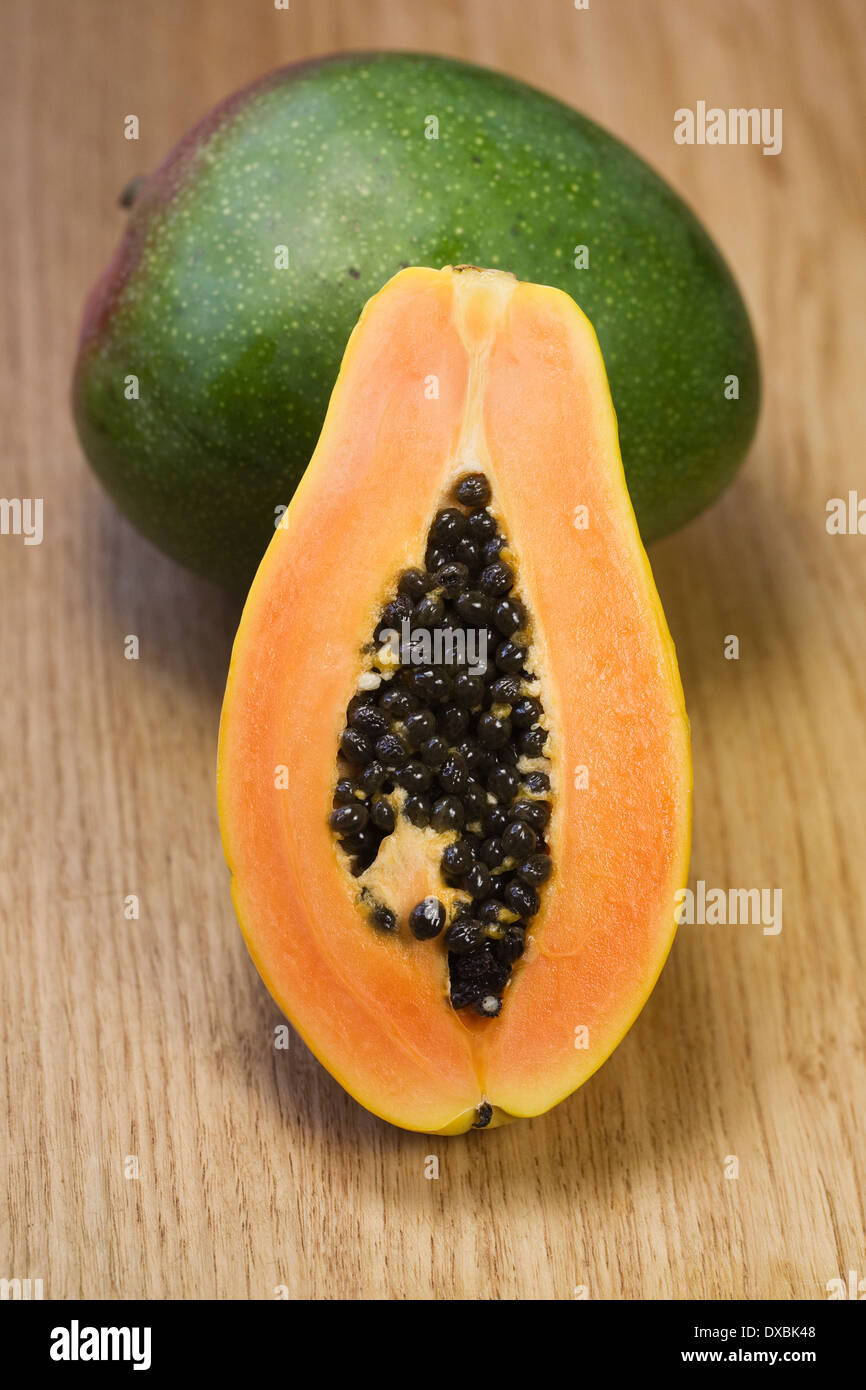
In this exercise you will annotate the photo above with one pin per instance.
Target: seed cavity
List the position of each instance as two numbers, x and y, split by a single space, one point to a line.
456 749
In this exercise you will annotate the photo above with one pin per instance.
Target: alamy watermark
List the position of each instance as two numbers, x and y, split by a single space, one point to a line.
720 907
16 1290
846 516
438 646
22 516
739 125
77 1343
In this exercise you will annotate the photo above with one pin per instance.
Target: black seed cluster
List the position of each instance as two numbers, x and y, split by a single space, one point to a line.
451 740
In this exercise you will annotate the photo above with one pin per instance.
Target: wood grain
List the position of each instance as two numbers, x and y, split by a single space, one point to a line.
154 1037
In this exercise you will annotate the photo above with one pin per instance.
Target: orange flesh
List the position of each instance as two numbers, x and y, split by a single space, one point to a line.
522 396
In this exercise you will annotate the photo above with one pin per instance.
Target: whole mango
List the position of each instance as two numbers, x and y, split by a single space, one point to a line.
210 345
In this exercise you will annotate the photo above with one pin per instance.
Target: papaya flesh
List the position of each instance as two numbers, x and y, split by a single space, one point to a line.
454 375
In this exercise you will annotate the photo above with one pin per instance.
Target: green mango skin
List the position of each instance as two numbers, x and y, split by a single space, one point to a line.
236 359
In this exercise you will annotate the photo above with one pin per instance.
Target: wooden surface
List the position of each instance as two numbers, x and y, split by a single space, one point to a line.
154 1038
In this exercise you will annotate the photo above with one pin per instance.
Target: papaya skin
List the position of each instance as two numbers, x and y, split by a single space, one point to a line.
522 393
236 358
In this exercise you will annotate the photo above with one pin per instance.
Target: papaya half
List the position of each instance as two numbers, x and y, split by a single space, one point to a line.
210 344
454 767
